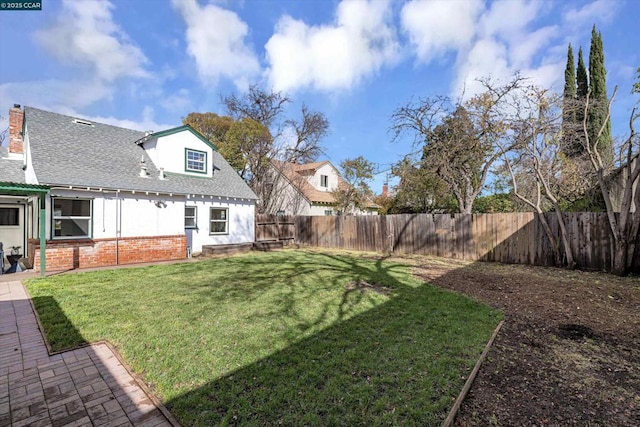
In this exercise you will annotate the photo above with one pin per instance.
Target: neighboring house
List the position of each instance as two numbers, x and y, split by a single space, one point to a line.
95 194
307 189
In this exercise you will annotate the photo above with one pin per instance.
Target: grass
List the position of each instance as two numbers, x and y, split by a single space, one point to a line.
285 337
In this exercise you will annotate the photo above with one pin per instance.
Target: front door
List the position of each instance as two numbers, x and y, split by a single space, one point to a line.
12 228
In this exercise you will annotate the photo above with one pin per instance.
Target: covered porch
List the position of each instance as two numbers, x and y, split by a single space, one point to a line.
22 216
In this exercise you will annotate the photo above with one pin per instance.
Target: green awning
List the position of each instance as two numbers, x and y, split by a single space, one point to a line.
22 189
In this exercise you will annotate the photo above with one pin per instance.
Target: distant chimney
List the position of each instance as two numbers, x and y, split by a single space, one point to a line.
162 175
16 118
385 189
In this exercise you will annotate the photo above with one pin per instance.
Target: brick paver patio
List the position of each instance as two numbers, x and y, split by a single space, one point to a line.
87 386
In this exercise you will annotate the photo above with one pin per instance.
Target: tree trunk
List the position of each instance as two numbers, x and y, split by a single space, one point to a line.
571 264
620 256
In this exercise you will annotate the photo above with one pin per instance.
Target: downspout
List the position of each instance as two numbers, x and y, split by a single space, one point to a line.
43 233
118 224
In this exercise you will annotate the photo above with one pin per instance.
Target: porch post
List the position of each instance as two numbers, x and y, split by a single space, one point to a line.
43 233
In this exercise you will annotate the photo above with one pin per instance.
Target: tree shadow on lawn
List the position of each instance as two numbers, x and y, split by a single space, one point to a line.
402 362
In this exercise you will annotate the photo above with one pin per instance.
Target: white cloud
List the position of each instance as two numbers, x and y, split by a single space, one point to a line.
55 95
505 44
524 46
177 102
216 41
508 18
338 56
146 123
435 27
599 10
85 34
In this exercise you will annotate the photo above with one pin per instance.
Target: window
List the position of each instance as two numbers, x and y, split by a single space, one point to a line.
328 212
190 217
280 212
324 181
219 221
9 216
195 161
71 218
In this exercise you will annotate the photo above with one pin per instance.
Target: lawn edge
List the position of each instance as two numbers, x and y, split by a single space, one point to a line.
139 382
448 422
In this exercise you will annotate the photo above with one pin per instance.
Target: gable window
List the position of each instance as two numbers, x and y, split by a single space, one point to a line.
218 221
324 181
195 161
71 218
9 216
190 217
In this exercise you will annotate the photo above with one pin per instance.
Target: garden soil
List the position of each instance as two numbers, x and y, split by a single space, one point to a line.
568 352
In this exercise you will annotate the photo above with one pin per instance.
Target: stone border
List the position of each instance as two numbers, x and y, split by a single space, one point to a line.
448 422
139 382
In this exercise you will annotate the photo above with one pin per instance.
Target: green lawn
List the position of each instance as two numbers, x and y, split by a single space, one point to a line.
283 337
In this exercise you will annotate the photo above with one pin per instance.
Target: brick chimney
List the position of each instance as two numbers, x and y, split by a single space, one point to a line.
385 189
16 117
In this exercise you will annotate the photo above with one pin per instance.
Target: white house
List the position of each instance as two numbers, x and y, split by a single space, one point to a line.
94 194
307 189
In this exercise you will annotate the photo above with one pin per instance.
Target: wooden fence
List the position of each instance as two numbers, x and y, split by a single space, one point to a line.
510 237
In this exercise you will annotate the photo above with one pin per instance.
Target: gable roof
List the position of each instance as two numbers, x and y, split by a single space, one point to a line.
310 167
98 155
177 130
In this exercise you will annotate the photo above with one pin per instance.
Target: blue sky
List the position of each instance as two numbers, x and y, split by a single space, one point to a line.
145 64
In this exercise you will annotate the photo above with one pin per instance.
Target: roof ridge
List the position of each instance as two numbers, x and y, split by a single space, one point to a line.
83 118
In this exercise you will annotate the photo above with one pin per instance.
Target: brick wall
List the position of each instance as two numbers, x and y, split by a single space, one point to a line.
72 254
16 118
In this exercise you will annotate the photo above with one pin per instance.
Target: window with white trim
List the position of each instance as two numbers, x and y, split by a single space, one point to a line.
324 181
71 218
190 217
218 221
328 212
195 161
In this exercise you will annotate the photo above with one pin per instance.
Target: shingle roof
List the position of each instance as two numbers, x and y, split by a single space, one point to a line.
104 156
10 169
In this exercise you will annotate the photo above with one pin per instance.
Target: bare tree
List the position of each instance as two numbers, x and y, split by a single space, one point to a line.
263 155
308 132
3 134
257 104
622 183
460 139
535 150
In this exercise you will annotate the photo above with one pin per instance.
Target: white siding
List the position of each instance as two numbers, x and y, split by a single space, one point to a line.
168 152
319 210
137 215
129 215
332 178
240 222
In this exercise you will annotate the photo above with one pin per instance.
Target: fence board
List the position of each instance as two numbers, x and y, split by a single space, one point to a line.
510 238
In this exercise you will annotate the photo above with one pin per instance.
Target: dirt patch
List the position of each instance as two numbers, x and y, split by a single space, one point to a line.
568 353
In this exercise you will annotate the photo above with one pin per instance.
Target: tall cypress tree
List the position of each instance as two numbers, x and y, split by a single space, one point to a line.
569 118
599 97
581 94
581 77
